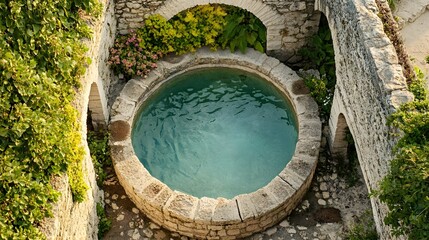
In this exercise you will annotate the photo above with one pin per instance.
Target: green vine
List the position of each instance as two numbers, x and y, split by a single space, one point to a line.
405 189
41 60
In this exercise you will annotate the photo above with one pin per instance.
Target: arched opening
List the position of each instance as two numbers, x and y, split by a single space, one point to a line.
272 20
96 119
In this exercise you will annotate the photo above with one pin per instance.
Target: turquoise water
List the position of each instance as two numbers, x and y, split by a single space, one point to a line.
215 133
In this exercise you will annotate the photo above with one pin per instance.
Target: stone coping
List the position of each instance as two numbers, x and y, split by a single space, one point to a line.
208 218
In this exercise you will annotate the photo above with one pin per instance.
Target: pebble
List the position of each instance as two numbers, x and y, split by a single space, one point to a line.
120 217
271 231
107 201
123 197
148 232
131 224
284 223
323 186
160 235
291 230
325 195
136 235
153 226
301 228
114 206
122 233
135 210
115 196
321 202
334 176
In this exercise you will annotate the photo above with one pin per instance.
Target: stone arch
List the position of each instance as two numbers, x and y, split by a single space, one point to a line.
339 142
97 107
273 21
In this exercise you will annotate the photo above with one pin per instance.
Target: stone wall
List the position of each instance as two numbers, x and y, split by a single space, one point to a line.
370 86
289 23
73 220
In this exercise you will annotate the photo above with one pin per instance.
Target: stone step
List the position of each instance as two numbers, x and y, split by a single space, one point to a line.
409 10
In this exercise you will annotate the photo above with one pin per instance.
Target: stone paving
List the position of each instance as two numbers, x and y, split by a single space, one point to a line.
328 210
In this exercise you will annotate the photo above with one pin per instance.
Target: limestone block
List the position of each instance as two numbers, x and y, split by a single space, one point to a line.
119 130
206 207
310 129
226 212
181 206
280 190
263 202
290 176
246 207
122 109
133 90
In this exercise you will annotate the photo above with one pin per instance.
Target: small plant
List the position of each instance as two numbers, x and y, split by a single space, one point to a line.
427 59
100 154
104 224
319 54
364 229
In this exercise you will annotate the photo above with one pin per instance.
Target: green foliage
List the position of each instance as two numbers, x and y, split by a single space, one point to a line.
417 86
405 189
100 154
392 4
321 94
427 59
197 27
243 30
364 229
104 224
136 54
41 59
319 54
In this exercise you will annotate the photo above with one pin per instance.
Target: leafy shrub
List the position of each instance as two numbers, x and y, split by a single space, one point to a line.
100 154
364 229
405 189
41 60
319 54
128 57
243 30
197 27
207 25
427 59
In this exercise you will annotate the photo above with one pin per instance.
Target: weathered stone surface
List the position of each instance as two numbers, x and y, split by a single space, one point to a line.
206 207
226 212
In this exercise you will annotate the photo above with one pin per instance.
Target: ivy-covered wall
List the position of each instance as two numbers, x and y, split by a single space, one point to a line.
289 23
73 220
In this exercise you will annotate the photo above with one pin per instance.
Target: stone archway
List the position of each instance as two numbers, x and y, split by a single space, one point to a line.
96 108
273 21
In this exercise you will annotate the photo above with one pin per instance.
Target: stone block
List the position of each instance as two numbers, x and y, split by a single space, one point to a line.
310 129
226 212
263 202
280 190
204 212
181 206
246 207
294 179
133 90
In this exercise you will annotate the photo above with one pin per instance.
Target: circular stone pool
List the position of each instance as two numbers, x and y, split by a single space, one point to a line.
220 155
215 132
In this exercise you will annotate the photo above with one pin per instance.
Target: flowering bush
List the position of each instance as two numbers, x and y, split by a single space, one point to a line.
136 54
128 57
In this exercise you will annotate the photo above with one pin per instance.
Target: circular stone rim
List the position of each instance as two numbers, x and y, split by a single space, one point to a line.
206 217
